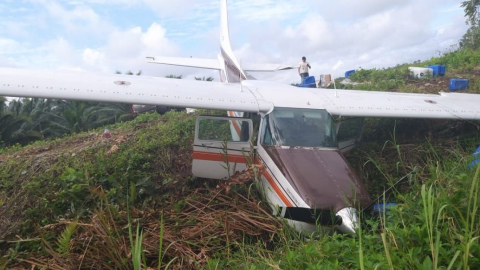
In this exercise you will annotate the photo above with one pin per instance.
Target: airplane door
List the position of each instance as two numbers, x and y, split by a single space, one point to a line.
349 133
210 156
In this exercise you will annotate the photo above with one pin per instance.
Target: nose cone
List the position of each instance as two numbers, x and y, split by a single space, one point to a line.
349 218
322 177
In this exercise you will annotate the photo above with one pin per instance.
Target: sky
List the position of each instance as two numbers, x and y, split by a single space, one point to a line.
104 36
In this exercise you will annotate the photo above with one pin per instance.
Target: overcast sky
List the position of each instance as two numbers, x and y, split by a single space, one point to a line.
335 36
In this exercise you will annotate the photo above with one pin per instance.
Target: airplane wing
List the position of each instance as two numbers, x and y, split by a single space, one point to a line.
214 64
249 67
129 89
186 62
401 105
249 96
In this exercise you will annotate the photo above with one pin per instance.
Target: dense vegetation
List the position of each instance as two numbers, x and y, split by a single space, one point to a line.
89 202
78 200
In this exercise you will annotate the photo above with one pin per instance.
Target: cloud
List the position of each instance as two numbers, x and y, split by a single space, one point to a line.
334 35
103 2
6 63
8 45
369 34
92 57
127 50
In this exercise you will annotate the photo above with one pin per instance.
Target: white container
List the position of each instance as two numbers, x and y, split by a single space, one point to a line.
421 72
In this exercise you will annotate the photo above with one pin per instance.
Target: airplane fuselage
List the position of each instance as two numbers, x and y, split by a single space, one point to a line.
304 176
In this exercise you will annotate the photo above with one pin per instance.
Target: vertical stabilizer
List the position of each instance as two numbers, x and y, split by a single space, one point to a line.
232 69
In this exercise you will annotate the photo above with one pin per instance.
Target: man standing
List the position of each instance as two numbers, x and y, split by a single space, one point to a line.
303 69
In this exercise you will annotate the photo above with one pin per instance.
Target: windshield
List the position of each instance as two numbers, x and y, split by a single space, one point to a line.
299 127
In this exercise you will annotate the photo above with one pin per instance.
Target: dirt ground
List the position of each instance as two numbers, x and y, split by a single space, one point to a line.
71 147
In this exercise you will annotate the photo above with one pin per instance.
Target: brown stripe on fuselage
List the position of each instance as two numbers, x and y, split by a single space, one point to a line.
322 177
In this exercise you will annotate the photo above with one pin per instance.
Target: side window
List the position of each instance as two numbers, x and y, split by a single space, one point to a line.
221 130
349 129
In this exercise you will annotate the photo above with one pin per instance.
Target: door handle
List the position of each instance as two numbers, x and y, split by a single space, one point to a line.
207 144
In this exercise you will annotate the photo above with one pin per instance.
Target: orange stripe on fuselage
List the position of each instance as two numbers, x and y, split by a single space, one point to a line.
218 157
274 185
241 159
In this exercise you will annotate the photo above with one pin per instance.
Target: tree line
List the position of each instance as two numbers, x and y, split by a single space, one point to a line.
29 119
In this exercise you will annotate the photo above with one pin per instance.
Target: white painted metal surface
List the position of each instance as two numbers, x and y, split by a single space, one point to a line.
186 62
249 96
209 157
400 105
421 72
127 89
214 64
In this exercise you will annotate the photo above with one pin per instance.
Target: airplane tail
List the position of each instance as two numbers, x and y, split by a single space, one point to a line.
227 63
231 67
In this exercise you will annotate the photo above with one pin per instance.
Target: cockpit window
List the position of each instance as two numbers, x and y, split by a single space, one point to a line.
299 127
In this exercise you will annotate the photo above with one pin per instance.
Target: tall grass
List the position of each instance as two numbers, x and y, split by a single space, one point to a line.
138 256
470 222
432 215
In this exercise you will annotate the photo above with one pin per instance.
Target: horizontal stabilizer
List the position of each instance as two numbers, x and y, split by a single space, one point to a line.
264 67
214 64
186 62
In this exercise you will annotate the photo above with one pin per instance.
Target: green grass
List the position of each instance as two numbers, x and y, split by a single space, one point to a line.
432 227
459 64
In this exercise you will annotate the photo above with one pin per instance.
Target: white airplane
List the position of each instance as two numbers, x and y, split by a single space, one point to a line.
305 176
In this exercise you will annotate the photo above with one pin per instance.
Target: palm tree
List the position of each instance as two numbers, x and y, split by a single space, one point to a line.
47 118
3 104
208 79
171 76
15 107
129 73
109 113
77 115
13 130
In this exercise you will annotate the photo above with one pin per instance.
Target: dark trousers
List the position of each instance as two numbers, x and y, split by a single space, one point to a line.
303 76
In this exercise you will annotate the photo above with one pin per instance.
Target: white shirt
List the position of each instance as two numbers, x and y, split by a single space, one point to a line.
304 67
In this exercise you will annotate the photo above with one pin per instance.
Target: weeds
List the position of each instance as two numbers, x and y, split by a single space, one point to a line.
432 217
470 224
210 225
64 239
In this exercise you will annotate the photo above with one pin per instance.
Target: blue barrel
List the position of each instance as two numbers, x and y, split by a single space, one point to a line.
476 155
348 73
438 70
458 84
381 207
309 82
